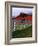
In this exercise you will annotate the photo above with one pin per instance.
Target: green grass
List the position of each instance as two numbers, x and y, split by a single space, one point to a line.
26 32
22 26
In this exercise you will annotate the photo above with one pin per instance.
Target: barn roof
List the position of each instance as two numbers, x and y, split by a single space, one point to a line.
22 16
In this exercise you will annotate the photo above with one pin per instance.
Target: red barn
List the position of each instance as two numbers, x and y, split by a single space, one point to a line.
23 19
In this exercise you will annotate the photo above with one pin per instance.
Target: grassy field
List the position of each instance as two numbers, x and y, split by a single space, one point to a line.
24 32
22 26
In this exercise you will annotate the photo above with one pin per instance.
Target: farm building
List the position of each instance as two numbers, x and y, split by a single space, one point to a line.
22 19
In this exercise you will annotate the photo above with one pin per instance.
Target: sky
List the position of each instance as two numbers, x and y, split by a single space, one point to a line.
16 11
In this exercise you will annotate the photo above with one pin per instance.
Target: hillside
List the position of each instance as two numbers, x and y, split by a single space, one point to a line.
27 32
